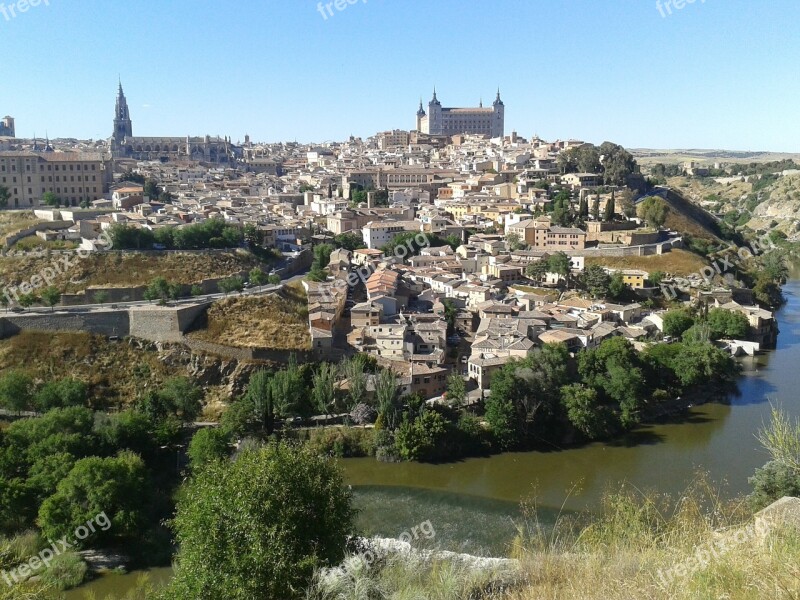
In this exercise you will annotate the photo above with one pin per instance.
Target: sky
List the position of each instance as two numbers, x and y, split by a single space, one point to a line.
719 74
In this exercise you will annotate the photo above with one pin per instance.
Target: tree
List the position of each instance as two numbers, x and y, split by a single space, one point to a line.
50 199
158 289
514 242
196 290
349 241
653 210
183 396
116 487
323 393
252 235
51 295
676 322
257 277
773 481
450 315
274 279
240 540
585 411
596 280
208 445
617 288
61 393
231 284
386 398
560 264
456 390
289 392
536 270
615 368
101 297
773 265
151 189
16 391
353 371
259 400
5 196
611 209
727 324
596 208
27 300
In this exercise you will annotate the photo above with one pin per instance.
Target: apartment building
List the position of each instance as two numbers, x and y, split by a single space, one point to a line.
74 177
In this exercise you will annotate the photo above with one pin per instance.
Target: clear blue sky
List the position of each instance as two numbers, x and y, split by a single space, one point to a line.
713 74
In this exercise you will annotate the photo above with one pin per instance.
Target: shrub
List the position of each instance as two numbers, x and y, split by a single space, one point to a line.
342 442
66 571
772 482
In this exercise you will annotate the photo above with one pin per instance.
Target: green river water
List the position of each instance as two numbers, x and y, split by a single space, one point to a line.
472 504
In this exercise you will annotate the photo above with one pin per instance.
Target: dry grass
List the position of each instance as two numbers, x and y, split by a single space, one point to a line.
115 371
118 269
278 322
13 221
632 548
678 262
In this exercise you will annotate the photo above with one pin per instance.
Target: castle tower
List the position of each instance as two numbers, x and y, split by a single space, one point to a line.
7 127
498 122
420 115
434 116
123 128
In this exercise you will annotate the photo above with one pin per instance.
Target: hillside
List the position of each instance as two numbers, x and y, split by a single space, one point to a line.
759 205
118 269
277 321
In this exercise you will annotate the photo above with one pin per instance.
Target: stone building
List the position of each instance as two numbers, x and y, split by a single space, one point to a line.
489 122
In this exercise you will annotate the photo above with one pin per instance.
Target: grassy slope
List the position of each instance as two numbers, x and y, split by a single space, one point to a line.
127 269
276 321
115 371
13 221
677 262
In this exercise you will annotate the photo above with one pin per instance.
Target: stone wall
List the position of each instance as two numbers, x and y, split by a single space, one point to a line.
164 323
13 238
108 322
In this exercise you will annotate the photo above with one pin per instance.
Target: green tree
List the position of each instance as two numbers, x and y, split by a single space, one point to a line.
240 540
61 393
349 241
274 279
617 288
386 397
615 368
560 264
727 324
207 445
5 196
585 411
611 209
514 242
676 322
323 392
117 487
596 208
27 300
536 270
183 397
257 277
773 265
101 296
259 400
596 280
16 391
50 199
252 235
456 390
653 210
51 296
353 370
158 289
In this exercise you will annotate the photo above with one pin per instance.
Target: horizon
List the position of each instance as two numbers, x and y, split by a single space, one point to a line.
285 72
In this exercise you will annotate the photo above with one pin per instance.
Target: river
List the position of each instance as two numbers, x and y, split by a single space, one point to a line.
472 504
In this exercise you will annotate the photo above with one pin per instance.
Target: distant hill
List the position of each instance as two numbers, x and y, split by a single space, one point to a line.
647 156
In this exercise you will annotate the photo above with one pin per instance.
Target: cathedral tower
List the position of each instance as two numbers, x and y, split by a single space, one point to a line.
123 127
